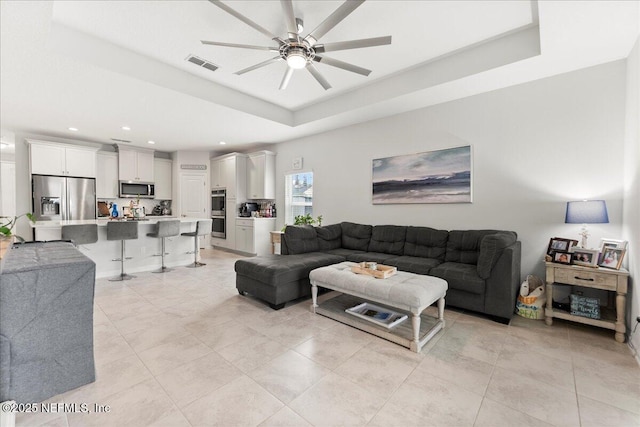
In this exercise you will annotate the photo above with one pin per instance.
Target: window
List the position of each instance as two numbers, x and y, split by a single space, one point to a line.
298 194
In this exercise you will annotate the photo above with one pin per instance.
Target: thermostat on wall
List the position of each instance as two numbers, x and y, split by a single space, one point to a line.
297 163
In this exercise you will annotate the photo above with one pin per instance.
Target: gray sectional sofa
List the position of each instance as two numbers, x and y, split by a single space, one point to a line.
482 267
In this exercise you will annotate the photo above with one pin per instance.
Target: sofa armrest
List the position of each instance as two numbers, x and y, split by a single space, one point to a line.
491 248
503 283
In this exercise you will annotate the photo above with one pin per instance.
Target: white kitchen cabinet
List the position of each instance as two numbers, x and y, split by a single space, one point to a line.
252 235
244 236
107 176
261 175
49 158
229 172
216 174
162 173
135 164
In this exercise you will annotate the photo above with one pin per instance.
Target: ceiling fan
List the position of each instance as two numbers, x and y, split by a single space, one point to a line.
301 52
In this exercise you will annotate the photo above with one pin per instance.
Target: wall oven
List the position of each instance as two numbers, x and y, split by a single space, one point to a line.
218 202
218 213
218 227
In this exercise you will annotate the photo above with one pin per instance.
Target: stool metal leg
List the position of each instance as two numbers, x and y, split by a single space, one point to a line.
164 268
123 275
196 250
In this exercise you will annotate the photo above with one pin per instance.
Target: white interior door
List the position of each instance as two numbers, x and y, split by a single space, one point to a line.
194 199
193 195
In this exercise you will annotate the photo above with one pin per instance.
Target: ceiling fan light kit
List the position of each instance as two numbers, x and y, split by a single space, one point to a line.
300 52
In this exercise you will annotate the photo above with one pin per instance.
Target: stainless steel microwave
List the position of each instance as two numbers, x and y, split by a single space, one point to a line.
143 190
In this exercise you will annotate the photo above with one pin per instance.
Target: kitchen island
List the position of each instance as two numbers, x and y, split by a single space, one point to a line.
143 250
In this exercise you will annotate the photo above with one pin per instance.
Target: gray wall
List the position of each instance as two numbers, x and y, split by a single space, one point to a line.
535 147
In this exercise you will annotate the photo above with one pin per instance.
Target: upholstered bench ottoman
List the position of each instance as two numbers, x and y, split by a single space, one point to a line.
278 279
405 291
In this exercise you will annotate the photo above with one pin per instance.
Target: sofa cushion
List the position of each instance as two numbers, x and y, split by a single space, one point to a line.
426 242
345 253
491 248
355 236
378 257
460 276
413 264
464 245
300 239
329 237
388 239
275 269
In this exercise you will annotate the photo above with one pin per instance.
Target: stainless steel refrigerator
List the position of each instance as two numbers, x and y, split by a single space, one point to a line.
57 198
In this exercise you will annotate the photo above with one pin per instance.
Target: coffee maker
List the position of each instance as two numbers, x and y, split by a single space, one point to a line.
248 207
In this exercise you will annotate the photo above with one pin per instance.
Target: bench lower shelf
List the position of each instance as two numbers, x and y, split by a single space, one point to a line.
401 334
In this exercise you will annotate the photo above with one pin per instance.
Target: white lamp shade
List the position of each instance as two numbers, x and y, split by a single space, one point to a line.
587 212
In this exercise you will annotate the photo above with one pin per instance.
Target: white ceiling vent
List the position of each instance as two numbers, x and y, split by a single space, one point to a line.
119 140
202 62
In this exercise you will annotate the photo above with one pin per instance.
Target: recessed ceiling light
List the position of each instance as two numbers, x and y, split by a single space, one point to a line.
73 129
151 142
222 143
126 128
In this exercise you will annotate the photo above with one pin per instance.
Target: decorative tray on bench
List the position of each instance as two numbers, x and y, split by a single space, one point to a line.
381 271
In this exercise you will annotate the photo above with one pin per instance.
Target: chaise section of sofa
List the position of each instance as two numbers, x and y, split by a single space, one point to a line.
482 267
279 279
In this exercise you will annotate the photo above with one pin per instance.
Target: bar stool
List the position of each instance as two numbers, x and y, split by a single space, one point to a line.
165 229
122 230
203 227
81 234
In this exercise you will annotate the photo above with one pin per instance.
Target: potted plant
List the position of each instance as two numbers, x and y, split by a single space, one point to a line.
7 223
305 220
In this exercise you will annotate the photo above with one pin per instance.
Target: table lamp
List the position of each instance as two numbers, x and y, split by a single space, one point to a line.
586 212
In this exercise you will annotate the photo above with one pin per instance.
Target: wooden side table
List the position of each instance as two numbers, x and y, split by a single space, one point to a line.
596 278
276 237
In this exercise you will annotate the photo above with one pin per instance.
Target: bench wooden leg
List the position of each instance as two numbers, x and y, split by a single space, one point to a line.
314 297
415 323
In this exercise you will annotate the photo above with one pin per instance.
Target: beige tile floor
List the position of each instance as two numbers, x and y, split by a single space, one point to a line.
184 349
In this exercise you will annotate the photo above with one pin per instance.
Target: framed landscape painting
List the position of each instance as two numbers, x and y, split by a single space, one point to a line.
441 176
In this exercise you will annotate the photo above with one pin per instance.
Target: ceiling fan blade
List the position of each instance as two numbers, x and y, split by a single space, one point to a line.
244 19
290 19
260 65
286 78
243 46
316 74
352 44
341 64
332 20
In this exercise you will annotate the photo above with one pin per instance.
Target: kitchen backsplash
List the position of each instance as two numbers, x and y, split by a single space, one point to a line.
148 204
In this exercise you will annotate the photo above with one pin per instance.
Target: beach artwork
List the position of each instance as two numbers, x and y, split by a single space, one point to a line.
441 176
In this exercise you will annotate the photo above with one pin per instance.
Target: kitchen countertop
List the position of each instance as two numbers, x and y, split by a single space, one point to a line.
254 217
102 222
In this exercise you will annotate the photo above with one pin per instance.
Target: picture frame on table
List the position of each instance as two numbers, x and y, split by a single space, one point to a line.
559 244
612 258
585 257
562 257
612 243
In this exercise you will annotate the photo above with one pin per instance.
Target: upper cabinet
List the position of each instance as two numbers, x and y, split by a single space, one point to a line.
50 158
229 172
216 176
107 177
261 175
135 164
162 174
